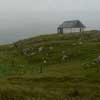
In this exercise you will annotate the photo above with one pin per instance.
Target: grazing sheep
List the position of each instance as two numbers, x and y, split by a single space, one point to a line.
24 51
40 49
45 61
65 57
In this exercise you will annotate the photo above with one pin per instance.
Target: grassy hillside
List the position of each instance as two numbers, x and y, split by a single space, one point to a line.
51 67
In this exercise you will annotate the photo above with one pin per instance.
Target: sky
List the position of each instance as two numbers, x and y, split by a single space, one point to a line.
25 18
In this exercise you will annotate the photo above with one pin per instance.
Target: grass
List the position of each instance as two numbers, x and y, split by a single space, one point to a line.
20 77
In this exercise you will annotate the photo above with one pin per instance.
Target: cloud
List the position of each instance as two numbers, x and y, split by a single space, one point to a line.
23 5
75 5
48 5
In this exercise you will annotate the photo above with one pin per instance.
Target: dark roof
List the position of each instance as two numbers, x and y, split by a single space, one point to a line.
72 24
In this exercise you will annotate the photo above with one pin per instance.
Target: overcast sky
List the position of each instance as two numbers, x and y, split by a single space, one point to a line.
23 18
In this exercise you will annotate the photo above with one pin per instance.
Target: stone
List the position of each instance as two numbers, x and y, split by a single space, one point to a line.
33 53
51 48
74 44
97 59
47 54
80 43
21 65
63 52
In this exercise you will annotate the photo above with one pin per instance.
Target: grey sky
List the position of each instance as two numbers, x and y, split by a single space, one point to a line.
48 5
23 18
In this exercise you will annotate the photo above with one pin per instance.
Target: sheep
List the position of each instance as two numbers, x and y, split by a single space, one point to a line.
25 51
45 61
40 49
65 57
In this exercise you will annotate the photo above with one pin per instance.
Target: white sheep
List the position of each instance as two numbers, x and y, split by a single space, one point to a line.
65 57
25 51
40 49
44 61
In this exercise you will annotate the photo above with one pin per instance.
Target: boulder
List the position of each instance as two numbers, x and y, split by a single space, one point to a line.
80 43
51 48
97 59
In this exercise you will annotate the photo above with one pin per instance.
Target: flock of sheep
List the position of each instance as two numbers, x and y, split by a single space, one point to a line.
28 52
64 56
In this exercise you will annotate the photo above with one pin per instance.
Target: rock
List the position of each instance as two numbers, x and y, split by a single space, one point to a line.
80 43
93 63
32 49
47 54
63 52
33 53
51 48
97 60
21 65
28 55
11 46
74 44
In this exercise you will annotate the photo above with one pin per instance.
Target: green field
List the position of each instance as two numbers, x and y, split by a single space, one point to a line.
51 67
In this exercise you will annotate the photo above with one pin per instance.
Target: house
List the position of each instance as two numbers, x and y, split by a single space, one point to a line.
71 26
